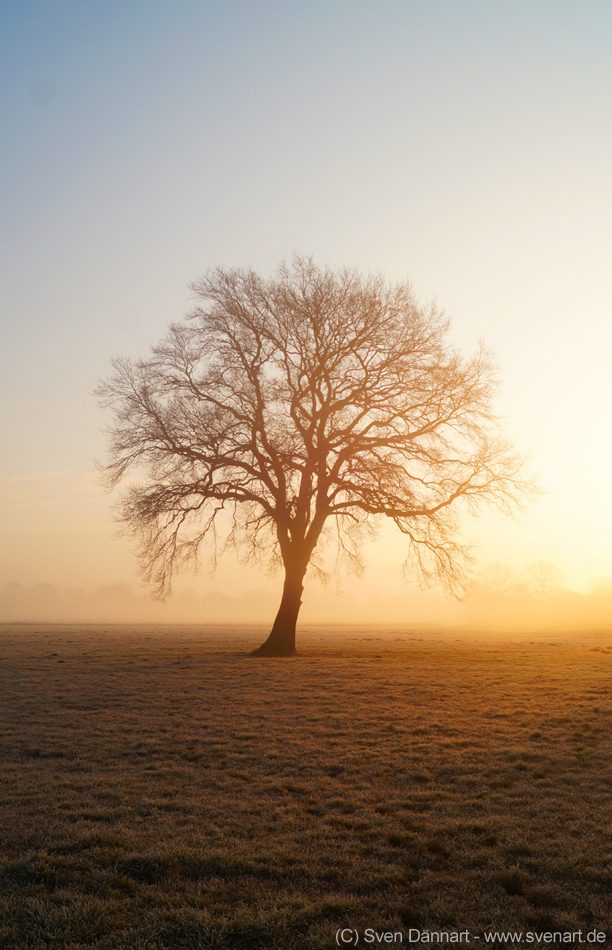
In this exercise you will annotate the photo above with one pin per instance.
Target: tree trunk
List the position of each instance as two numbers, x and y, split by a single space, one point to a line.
281 641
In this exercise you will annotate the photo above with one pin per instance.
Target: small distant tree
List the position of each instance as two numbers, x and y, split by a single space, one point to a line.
304 406
498 578
601 586
543 578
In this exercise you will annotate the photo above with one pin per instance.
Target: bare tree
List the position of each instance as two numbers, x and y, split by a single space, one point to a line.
498 578
601 586
543 578
305 406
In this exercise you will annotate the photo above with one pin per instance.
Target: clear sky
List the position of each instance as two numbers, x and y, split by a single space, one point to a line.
465 145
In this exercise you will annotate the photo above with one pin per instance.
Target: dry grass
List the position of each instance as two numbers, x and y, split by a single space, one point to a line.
160 789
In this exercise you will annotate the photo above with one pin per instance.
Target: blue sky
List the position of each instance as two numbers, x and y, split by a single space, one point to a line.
466 146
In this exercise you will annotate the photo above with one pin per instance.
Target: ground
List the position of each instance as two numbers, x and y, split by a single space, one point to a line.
161 789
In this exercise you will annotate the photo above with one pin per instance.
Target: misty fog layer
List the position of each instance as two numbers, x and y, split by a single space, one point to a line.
482 609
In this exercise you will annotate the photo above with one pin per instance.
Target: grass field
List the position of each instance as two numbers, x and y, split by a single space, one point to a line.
160 789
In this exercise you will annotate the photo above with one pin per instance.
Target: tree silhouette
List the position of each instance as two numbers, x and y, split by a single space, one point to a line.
543 578
305 406
499 578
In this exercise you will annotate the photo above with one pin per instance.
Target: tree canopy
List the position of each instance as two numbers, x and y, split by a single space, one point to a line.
303 406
